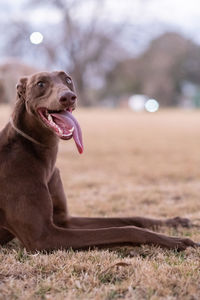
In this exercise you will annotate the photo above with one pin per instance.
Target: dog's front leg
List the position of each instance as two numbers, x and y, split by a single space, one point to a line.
62 218
83 222
60 213
142 222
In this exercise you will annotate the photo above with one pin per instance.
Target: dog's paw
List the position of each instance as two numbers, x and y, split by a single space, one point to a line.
183 243
178 221
180 244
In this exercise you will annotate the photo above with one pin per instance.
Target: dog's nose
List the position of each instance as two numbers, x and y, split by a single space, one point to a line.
68 98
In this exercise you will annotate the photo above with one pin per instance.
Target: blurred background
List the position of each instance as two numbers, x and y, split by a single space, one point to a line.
119 53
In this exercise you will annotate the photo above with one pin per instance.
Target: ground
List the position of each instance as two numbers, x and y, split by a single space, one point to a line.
134 164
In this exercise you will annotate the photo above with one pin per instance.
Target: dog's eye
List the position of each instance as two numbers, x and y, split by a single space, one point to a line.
68 80
41 84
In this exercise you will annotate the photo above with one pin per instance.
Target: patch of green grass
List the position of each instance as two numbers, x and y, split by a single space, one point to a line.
22 255
110 277
116 294
42 291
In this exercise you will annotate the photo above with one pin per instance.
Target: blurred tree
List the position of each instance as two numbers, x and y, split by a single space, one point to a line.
10 72
85 48
159 72
15 41
98 52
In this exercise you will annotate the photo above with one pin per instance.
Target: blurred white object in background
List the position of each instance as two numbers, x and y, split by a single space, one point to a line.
151 105
141 103
137 102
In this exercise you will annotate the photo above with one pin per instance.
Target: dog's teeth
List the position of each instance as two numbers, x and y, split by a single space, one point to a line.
71 130
50 118
69 134
60 130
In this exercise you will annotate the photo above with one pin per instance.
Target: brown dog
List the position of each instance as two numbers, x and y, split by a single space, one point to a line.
32 203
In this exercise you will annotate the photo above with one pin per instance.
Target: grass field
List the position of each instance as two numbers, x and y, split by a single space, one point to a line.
134 164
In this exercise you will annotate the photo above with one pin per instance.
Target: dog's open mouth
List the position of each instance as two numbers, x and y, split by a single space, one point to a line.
63 124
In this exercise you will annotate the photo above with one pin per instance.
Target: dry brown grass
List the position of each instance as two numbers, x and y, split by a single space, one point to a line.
134 164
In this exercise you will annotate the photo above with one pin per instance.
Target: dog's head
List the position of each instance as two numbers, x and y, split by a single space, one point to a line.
50 97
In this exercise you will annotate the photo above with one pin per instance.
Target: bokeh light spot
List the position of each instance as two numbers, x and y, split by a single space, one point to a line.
36 38
151 105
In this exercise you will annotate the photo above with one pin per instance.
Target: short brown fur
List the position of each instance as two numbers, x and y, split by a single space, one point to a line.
33 205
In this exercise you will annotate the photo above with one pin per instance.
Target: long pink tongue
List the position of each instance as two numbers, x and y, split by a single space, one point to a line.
68 119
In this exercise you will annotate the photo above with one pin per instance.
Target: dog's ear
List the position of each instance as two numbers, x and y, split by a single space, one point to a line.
21 88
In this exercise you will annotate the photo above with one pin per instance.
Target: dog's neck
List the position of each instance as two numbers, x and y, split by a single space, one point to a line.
22 133
31 129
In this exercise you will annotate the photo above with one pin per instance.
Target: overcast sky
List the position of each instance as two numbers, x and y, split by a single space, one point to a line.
183 13
179 15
